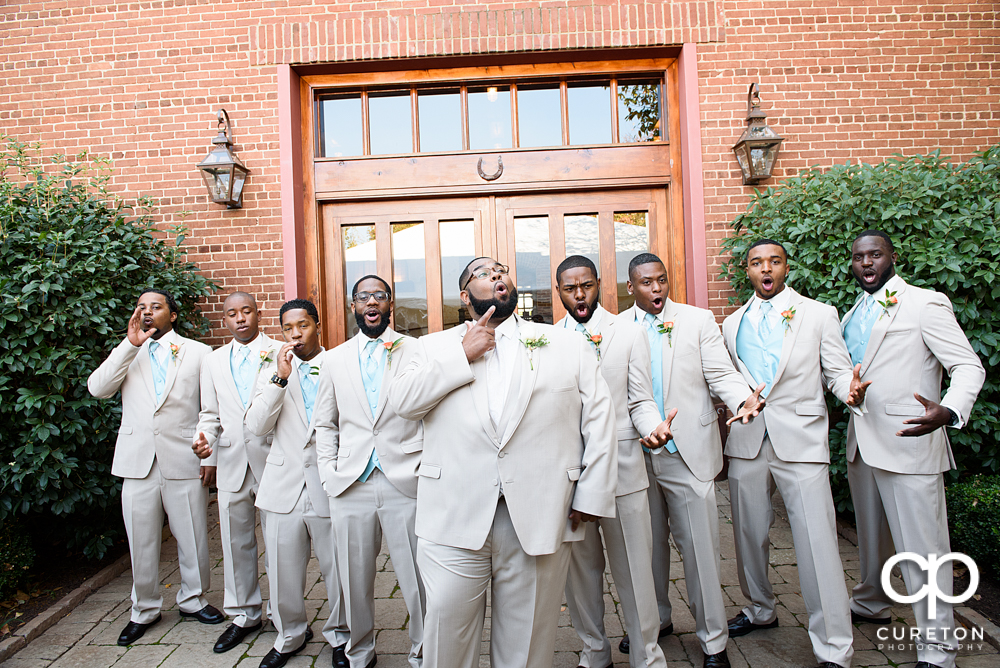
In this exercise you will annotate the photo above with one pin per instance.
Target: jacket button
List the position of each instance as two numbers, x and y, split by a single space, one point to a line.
156 432
494 481
375 432
306 465
247 440
502 453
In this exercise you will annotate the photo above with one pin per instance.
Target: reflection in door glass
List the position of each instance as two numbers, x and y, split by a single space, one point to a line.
589 113
340 126
458 248
539 119
582 237
534 273
409 274
489 117
359 260
439 111
638 111
389 127
631 238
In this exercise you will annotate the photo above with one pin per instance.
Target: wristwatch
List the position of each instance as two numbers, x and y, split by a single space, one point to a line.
954 418
278 380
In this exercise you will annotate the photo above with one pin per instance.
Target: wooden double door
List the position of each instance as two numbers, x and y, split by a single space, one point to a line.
421 246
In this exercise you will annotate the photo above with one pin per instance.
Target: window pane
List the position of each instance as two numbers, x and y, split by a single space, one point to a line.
582 237
489 117
409 290
638 111
631 238
534 278
539 121
439 112
340 126
359 260
389 122
458 248
589 113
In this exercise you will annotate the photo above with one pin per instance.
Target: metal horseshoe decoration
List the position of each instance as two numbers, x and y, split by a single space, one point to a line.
495 175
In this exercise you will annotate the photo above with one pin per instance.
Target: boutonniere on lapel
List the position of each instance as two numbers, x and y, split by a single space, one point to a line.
531 344
314 369
595 340
265 358
668 329
390 347
786 319
890 300
174 351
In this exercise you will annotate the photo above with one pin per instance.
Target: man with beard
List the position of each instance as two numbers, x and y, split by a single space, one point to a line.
689 365
904 337
793 345
158 372
368 457
297 510
519 449
228 379
622 351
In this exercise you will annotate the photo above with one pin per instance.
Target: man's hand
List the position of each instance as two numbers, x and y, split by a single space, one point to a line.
200 446
857 392
751 407
576 516
661 434
135 335
935 416
285 355
207 476
480 338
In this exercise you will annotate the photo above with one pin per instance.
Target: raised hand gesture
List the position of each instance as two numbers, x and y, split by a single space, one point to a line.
200 446
480 338
285 355
857 392
135 335
751 407
659 437
935 416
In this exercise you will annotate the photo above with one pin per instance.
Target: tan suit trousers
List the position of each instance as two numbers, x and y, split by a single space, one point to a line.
238 524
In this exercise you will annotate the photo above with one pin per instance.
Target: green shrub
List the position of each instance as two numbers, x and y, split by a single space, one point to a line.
16 557
72 261
974 520
943 219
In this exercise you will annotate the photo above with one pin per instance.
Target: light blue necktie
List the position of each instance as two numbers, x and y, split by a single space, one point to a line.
764 329
308 383
867 312
242 374
373 387
159 370
656 359
859 328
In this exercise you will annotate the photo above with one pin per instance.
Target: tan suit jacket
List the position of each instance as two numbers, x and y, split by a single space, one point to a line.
149 429
554 447
223 418
814 357
346 433
625 367
696 366
907 352
292 460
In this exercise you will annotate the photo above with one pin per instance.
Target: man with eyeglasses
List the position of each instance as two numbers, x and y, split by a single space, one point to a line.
519 450
367 457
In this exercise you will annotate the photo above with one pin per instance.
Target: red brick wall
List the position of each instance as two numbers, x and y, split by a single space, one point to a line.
141 82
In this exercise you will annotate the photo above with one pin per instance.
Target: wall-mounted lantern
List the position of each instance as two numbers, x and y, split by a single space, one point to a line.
757 148
223 172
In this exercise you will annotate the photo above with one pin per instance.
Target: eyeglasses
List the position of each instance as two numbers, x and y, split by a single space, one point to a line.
480 274
363 297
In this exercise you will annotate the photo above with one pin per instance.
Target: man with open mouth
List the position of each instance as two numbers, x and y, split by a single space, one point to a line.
904 338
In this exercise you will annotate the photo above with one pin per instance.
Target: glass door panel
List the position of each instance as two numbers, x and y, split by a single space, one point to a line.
359 260
409 277
532 268
458 249
631 238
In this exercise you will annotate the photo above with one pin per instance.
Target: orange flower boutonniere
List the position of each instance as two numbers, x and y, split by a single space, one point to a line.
390 347
595 340
786 318
890 300
668 329
174 351
265 358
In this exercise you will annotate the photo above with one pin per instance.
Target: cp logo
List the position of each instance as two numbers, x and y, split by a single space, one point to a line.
931 589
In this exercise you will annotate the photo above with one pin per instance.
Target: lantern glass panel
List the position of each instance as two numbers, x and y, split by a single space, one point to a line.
239 179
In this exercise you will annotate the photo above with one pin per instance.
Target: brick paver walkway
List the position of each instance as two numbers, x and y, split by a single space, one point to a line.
86 638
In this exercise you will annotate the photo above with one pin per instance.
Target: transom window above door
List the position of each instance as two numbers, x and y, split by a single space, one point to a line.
489 115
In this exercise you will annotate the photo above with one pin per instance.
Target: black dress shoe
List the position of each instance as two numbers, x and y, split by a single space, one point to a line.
207 615
740 625
133 631
830 664
340 659
720 660
276 659
624 645
233 636
926 664
878 621
371 664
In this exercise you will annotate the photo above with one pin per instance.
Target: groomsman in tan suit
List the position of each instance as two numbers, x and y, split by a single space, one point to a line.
622 351
689 365
793 346
228 380
519 449
904 338
296 509
368 457
158 373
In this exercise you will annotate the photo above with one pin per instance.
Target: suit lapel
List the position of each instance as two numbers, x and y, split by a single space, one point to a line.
788 342
387 375
352 365
607 334
295 390
173 364
668 343
882 322
520 387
